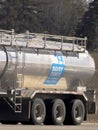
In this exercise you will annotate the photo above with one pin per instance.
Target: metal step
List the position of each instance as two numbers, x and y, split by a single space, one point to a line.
18 111
9 69
19 74
14 57
19 81
17 101
19 66
18 96
17 104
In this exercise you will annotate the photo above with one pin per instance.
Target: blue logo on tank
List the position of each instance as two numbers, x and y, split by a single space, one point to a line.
56 71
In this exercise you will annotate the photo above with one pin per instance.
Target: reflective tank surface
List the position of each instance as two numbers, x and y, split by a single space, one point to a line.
45 69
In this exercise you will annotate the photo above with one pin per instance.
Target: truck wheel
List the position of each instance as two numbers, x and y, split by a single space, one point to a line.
77 112
38 111
58 112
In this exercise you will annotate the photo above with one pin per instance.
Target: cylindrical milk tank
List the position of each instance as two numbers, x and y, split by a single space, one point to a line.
46 69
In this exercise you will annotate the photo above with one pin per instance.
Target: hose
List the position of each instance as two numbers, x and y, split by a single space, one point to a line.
6 65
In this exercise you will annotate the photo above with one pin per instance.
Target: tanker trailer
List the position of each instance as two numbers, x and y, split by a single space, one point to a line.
43 78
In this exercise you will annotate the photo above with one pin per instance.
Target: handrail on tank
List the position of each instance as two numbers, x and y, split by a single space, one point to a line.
42 41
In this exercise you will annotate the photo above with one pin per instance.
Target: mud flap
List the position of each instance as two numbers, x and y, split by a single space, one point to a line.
91 104
92 108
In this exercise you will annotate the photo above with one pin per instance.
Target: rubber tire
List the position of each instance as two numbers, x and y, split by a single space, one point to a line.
77 104
38 120
58 103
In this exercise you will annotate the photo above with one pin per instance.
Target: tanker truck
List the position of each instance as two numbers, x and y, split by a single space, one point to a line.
43 79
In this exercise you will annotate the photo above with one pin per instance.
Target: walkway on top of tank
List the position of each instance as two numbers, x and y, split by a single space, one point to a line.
42 41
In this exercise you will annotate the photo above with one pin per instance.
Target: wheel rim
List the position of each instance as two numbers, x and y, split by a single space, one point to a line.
39 112
78 112
59 112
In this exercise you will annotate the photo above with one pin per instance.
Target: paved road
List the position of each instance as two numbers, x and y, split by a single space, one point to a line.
87 126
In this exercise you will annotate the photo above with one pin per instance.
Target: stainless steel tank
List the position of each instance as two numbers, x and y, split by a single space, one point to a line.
45 69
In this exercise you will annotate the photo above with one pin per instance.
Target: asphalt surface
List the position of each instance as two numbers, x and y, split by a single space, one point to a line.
86 126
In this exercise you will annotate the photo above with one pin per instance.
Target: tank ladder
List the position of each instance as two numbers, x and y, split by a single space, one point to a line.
18 81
